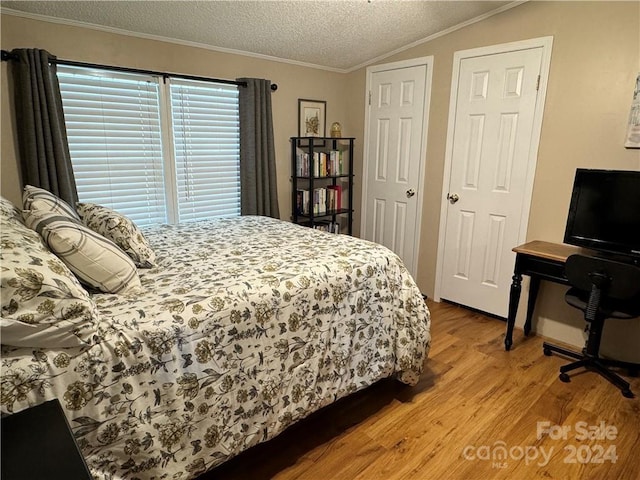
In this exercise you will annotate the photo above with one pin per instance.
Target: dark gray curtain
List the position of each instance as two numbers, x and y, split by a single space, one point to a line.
258 190
42 135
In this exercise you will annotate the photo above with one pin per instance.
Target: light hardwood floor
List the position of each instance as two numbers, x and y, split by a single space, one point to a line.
473 399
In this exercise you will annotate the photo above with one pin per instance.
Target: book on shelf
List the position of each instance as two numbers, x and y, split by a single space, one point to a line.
336 163
323 200
316 164
324 164
319 201
334 197
302 202
330 227
302 165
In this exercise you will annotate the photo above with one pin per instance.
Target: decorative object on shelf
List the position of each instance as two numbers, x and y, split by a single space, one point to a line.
336 130
312 118
633 128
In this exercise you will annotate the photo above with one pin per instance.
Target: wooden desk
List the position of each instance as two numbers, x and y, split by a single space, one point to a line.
540 261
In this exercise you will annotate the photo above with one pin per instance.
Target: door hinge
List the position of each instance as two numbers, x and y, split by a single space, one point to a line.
369 97
538 84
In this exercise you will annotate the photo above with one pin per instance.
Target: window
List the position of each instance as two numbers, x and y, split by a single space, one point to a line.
157 152
206 133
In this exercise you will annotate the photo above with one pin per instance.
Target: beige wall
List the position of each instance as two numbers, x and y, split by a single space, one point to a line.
85 45
595 60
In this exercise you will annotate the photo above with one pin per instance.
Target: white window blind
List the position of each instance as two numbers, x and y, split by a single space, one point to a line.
114 132
206 133
155 152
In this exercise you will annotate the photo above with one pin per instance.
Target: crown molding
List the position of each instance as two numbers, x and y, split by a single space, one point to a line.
159 38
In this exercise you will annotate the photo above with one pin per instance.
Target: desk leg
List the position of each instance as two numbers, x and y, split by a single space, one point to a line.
514 298
534 286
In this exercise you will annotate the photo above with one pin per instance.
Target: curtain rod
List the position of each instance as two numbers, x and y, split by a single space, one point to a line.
6 56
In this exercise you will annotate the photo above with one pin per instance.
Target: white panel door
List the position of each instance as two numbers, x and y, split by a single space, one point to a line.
393 161
494 120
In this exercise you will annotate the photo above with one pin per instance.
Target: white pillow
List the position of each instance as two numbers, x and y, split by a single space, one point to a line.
43 304
35 198
120 230
95 260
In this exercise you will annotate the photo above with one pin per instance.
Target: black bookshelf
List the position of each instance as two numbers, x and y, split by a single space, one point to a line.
316 168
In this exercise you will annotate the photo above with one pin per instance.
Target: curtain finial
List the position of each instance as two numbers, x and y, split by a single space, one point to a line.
6 56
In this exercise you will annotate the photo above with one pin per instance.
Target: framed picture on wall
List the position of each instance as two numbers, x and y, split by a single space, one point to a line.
312 118
633 128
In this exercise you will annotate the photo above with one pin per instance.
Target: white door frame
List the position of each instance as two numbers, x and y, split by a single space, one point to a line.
546 43
414 62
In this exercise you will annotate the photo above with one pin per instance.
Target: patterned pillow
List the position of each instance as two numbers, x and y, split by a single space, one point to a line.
96 261
34 198
8 210
120 230
43 304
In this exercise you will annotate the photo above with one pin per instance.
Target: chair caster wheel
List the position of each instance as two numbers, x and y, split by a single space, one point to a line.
627 393
547 352
564 378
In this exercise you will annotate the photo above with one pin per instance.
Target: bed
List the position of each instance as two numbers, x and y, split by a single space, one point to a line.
242 327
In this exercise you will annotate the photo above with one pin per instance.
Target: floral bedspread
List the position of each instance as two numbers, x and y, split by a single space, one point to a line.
245 326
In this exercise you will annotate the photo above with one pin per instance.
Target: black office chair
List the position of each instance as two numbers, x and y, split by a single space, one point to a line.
602 289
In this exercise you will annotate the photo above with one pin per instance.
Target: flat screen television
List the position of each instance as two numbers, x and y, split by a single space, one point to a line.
604 213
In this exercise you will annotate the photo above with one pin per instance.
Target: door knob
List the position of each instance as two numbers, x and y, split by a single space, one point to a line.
452 197
410 193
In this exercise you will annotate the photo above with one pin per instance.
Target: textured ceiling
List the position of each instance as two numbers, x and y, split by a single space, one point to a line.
337 35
